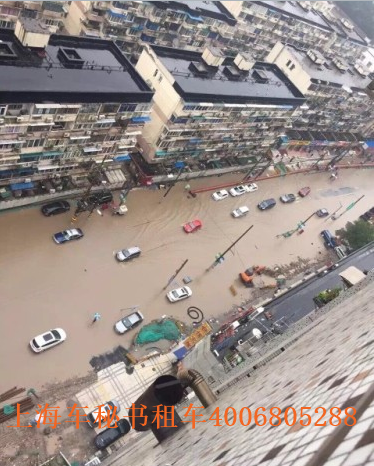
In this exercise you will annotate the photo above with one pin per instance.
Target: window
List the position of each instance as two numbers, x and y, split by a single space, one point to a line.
34 142
127 108
2 110
155 73
292 67
15 107
160 79
288 63
109 108
44 111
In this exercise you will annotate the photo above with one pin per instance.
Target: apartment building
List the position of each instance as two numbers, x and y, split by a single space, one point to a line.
337 104
51 14
213 109
234 26
179 24
261 24
66 103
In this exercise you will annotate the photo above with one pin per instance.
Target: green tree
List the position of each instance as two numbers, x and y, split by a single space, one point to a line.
357 234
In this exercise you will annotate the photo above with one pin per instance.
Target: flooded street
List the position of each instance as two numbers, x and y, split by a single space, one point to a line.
44 285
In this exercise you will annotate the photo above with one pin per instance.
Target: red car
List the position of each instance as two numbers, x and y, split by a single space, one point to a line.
304 191
190 227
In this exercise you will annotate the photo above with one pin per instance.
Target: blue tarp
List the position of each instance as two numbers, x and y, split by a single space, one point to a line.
140 119
122 157
370 143
18 186
180 353
195 18
179 165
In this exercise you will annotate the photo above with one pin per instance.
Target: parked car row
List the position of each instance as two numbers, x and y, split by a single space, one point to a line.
235 191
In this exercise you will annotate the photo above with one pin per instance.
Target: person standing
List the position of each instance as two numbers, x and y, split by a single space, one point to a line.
96 317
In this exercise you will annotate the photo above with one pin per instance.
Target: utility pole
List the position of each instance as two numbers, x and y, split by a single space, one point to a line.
175 274
350 207
176 179
300 226
221 256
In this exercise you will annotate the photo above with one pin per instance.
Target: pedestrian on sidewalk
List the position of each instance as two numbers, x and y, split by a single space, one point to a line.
97 317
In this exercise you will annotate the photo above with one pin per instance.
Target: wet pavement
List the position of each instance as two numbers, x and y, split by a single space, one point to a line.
44 285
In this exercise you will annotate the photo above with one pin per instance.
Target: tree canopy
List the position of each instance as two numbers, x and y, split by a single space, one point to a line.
357 234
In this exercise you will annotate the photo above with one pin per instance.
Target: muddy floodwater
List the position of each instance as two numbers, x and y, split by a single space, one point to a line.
45 286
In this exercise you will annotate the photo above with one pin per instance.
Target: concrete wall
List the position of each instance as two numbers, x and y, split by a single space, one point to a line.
165 97
280 56
233 7
75 16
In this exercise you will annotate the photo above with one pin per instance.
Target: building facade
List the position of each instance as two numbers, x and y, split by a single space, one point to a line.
51 14
233 26
213 109
262 24
66 104
337 105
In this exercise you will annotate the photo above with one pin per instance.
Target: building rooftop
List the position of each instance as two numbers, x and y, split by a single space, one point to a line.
329 364
295 10
70 69
197 82
329 72
200 9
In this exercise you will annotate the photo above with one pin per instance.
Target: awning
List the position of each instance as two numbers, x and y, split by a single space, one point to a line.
121 158
91 149
18 186
108 120
79 138
195 18
48 167
142 119
8 141
40 124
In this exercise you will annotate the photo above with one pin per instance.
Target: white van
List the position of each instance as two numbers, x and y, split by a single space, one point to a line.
240 212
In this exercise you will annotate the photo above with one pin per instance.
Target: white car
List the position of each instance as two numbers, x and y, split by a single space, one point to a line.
47 340
252 187
220 195
239 190
179 293
240 212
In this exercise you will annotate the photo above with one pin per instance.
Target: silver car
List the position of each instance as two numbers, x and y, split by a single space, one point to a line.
128 254
129 322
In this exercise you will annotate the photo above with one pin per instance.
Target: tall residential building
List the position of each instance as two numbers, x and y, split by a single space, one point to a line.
65 103
214 109
337 104
234 26
262 24
51 14
180 24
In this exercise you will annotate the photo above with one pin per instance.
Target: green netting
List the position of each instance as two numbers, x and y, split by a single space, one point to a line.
8 409
165 330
